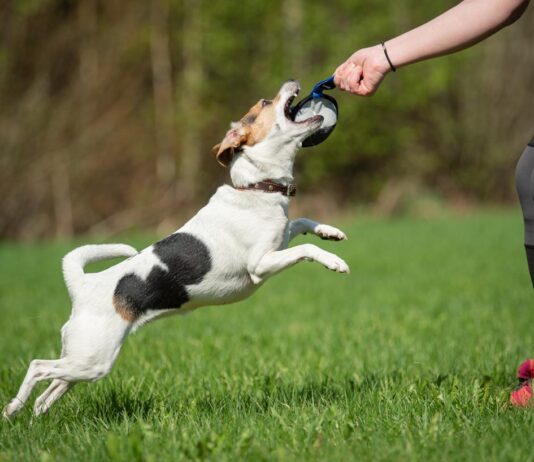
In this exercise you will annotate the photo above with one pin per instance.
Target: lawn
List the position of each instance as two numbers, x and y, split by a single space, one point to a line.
410 357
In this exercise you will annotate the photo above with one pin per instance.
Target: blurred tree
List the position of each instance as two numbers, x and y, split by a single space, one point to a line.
163 93
190 91
293 16
108 112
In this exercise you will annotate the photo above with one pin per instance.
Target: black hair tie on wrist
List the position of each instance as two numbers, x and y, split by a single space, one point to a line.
393 68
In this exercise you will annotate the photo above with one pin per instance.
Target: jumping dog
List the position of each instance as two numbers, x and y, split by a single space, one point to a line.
223 254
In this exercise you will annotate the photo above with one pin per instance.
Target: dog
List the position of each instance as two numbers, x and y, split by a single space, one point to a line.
222 255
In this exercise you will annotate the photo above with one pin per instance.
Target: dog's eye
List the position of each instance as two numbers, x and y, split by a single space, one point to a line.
265 102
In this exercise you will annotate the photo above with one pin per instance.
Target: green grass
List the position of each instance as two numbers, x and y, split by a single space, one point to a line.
410 357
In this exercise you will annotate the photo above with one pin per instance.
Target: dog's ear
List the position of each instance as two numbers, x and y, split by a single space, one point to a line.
236 137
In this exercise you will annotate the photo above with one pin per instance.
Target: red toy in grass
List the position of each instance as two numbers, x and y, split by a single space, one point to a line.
522 396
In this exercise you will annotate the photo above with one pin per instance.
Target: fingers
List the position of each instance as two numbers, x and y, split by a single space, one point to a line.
342 74
339 76
353 79
362 73
348 77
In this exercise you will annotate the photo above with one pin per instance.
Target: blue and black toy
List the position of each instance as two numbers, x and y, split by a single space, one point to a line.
317 103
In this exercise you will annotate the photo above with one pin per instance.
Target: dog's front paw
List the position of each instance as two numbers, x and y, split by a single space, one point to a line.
330 233
333 262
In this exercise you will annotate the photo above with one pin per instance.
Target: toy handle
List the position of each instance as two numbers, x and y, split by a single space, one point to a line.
326 84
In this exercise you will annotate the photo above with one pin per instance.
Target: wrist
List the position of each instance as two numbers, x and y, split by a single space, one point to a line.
380 62
388 59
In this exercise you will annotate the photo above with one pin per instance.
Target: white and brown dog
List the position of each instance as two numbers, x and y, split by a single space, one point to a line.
223 254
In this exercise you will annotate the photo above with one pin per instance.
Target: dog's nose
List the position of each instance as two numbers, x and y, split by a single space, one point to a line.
293 81
292 86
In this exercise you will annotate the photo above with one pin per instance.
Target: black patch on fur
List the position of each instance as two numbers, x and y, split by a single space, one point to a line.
188 260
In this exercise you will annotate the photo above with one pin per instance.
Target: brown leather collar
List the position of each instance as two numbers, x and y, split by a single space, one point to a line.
270 186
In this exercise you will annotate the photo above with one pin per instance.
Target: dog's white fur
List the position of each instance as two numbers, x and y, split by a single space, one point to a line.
247 234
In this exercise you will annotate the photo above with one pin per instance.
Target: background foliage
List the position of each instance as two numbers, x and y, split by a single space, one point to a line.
108 109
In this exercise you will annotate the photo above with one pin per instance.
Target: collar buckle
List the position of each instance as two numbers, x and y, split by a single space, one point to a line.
291 189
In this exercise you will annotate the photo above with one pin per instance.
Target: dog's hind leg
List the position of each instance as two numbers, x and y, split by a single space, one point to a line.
36 373
55 391
90 345
66 369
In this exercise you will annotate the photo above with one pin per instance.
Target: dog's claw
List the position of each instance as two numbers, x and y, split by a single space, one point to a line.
9 411
342 268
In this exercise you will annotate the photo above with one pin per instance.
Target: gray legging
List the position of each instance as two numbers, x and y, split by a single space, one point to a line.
524 180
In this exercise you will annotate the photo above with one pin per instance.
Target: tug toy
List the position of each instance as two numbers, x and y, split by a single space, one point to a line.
317 103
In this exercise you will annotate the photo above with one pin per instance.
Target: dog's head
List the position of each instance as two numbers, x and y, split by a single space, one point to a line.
266 136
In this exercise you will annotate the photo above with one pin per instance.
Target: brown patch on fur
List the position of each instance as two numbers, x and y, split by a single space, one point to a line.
123 309
233 140
253 127
263 118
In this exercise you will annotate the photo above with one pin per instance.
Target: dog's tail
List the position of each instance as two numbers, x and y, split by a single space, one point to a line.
74 261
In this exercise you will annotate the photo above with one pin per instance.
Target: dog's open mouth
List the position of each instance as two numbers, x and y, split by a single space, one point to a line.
288 110
291 112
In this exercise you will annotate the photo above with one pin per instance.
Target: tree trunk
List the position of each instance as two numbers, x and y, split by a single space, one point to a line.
162 93
88 59
61 196
293 14
191 99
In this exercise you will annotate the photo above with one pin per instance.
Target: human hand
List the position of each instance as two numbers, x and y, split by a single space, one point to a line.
362 73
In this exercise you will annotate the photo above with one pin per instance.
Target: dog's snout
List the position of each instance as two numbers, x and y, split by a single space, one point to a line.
291 86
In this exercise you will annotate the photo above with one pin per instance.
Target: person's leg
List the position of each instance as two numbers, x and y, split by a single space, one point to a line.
524 177
524 180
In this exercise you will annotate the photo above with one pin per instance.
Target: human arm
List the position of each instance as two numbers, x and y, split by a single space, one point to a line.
467 23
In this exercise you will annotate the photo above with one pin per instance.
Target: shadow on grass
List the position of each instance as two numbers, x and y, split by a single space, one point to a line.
116 404
265 392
